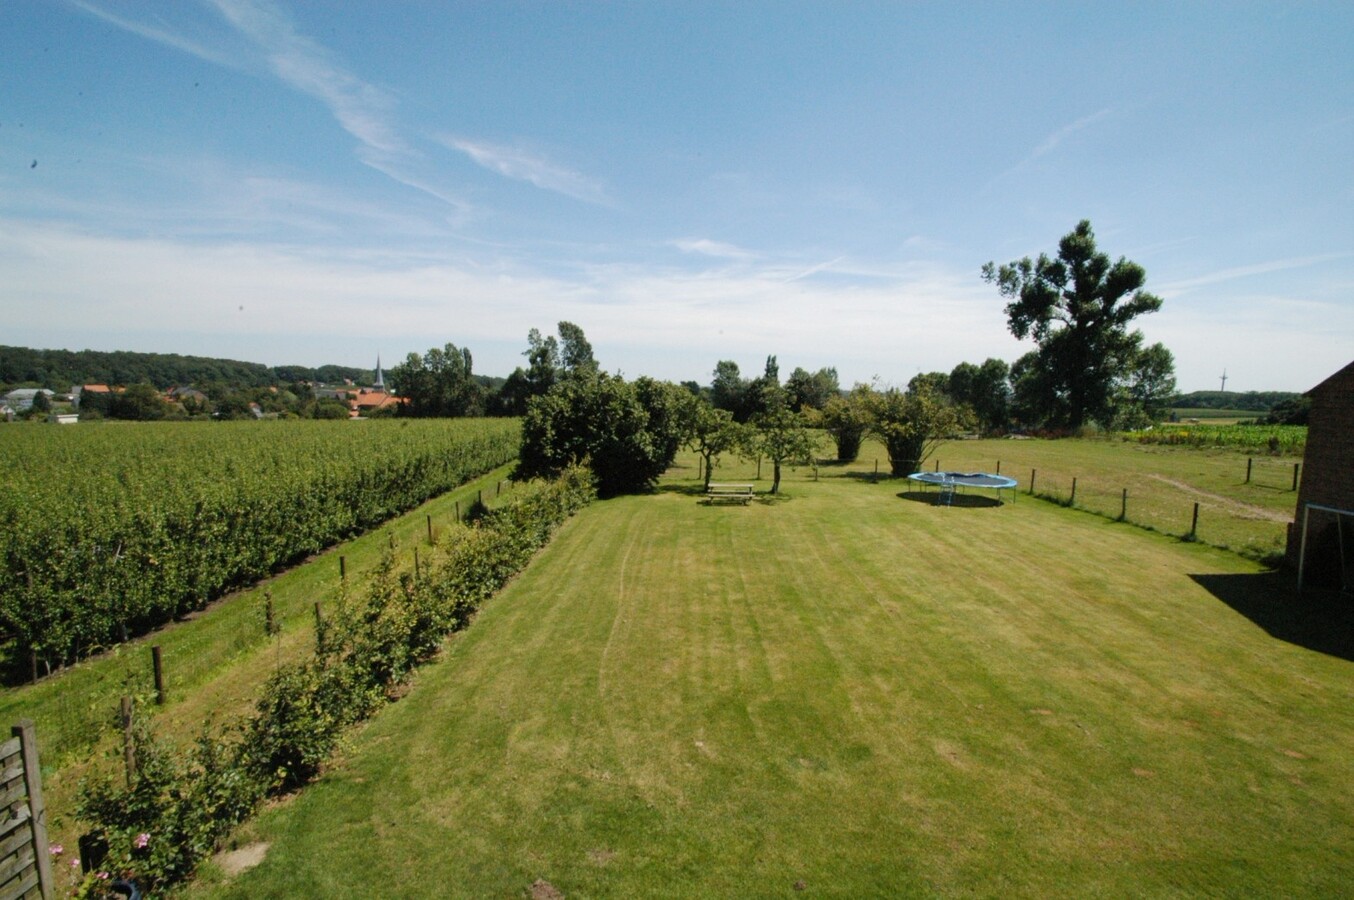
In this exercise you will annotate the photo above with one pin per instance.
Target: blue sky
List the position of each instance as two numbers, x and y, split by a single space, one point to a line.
298 182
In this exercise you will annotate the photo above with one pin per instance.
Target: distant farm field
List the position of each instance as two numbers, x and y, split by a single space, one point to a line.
852 691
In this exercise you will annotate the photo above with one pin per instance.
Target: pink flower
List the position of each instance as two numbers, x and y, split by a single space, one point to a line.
142 840
56 849
75 863
103 875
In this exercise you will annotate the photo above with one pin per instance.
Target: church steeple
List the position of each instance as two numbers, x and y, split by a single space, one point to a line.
380 378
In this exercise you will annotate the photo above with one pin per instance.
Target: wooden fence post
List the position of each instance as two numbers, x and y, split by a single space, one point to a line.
498 491
26 733
1248 469
1194 523
319 629
157 665
343 568
1123 506
1297 467
430 529
1033 472
937 465
998 467
1072 501
128 743
416 572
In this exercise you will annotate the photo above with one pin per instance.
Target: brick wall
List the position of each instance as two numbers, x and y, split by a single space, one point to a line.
1327 472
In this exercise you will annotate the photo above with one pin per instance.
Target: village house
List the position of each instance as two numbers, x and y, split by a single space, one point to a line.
80 390
1328 483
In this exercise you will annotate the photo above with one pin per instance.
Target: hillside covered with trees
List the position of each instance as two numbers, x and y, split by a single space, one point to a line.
60 369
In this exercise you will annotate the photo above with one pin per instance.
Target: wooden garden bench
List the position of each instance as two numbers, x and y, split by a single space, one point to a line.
742 493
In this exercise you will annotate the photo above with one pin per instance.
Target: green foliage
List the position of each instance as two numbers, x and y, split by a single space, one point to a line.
812 391
712 433
440 383
627 432
847 421
986 390
1287 440
163 519
178 807
1291 411
781 435
1250 401
174 812
911 424
1077 308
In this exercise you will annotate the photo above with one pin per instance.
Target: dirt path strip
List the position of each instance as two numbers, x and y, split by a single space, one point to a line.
1234 507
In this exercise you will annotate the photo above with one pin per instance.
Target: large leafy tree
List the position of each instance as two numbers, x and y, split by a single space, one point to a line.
1077 307
627 432
911 424
1147 388
812 390
846 420
439 383
985 389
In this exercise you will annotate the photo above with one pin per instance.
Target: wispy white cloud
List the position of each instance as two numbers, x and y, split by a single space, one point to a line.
524 165
707 247
270 42
1054 140
162 35
1185 285
814 270
360 108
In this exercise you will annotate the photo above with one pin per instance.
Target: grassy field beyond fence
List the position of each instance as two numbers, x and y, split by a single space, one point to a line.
850 691
1162 482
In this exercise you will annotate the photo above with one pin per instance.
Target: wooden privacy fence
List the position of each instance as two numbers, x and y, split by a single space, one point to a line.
25 866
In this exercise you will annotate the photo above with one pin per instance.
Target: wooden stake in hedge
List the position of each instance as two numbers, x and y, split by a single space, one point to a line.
430 529
343 568
416 571
269 619
157 665
319 629
128 743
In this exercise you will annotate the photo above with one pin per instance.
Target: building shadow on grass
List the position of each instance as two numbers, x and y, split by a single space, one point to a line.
958 501
1318 619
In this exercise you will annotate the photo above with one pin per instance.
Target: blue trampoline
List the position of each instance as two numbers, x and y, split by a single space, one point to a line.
948 482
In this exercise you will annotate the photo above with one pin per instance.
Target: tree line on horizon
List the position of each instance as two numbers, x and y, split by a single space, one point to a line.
1088 368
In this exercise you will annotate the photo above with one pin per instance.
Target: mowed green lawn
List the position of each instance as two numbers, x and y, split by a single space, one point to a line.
845 692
